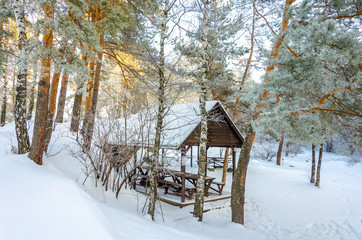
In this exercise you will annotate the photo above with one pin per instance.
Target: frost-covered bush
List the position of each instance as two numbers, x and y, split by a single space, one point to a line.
265 147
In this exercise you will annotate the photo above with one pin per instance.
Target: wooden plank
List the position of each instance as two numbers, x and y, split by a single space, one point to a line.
181 205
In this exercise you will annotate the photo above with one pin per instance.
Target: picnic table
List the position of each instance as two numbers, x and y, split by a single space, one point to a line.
216 162
176 180
191 178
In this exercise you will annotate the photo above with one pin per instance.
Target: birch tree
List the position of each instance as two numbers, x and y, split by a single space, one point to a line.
208 47
3 76
205 75
4 100
162 26
20 99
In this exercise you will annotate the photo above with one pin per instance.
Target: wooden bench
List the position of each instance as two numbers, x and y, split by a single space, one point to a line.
215 162
189 191
220 186
139 179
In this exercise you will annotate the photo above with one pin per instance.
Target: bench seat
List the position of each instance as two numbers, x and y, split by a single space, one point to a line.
189 191
219 185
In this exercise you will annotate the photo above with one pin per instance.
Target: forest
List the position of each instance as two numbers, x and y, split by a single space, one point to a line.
107 76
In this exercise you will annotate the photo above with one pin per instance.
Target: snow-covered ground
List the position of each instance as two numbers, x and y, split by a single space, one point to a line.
49 202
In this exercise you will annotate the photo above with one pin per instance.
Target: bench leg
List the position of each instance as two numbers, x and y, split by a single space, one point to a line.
221 187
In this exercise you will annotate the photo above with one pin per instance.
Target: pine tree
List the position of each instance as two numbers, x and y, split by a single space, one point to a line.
317 83
51 107
91 113
238 185
62 98
36 152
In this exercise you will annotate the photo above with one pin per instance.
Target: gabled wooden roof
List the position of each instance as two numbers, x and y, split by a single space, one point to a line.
222 132
181 126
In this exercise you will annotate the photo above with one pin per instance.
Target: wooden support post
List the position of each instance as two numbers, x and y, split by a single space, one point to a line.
233 154
183 170
191 158
198 154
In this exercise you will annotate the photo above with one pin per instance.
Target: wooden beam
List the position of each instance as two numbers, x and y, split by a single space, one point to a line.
191 158
183 170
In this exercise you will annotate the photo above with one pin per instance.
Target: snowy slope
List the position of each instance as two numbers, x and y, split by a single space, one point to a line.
50 202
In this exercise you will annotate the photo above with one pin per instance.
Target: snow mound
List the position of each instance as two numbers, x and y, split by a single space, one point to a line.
38 204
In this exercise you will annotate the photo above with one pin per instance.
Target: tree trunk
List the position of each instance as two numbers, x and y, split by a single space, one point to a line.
4 100
225 165
87 104
77 109
200 186
51 108
36 153
160 115
280 149
5 86
238 185
61 98
20 99
318 178
88 133
77 104
32 97
90 87
312 176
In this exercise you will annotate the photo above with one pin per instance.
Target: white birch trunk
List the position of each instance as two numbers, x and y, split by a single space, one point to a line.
160 115
200 187
312 177
4 98
20 99
318 176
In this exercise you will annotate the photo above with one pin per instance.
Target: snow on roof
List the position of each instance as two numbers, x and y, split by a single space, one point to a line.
178 123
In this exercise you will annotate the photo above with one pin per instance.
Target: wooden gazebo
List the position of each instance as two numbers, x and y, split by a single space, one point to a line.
221 132
181 129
